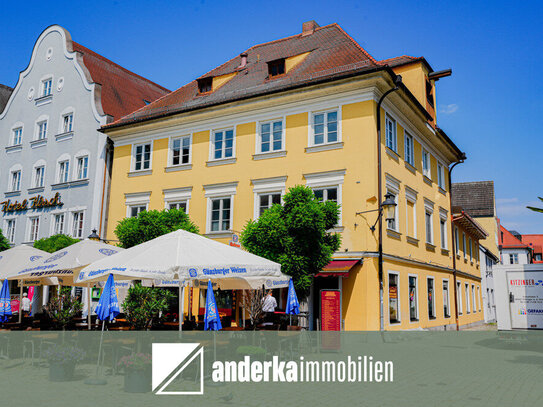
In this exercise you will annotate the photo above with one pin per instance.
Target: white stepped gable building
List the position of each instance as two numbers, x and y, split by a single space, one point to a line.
54 169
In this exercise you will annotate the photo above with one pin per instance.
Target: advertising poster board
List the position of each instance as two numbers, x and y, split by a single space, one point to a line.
525 299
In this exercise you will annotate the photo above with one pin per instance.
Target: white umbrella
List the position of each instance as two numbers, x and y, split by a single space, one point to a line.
16 258
246 283
58 268
185 256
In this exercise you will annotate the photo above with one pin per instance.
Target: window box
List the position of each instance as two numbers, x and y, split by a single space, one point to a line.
139 173
13 149
410 168
393 234
412 240
393 154
272 154
428 180
324 147
430 247
181 167
12 193
222 161
43 100
64 136
38 143
35 190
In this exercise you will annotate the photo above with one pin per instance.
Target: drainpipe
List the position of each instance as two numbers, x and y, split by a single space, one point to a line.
462 158
397 82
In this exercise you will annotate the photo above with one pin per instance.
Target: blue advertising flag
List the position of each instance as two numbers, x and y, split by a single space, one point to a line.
212 322
293 306
5 302
108 305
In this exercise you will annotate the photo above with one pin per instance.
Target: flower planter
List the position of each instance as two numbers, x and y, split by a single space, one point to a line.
61 371
137 381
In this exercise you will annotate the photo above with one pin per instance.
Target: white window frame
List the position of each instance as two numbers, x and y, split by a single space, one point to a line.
171 150
44 88
426 164
479 298
136 199
411 197
133 163
459 297
413 321
456 241
39 127
398 291
409 153
428 278
446 280
10 231
39 182
220 191
266 186
441 176
473 299
470 244
62 122
467 294
31 236
61 172
54 216
328 179
395 192
311 141
443 229
77 174
258 147
176 196
394 137
513 256
74 221
464 245
223 149
429 209
15 137
15 180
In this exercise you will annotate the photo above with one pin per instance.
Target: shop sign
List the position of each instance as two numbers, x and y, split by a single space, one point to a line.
37 202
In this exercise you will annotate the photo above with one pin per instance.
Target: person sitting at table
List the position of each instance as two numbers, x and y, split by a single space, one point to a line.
268 307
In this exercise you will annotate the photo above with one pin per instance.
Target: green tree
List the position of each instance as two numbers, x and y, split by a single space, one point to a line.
4 243
536 209
151 224
53 243
296 235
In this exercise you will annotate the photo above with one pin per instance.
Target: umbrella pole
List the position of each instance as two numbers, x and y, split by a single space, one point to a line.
20 301
89 306
100 347
181 304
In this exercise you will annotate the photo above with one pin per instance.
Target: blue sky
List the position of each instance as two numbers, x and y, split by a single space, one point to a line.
491 106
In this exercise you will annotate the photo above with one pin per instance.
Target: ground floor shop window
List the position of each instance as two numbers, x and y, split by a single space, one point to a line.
413 299
393 298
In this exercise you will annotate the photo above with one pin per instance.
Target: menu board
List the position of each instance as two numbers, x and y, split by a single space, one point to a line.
330 310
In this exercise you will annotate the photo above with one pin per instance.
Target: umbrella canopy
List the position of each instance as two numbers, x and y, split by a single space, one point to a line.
19 257
212 322
108 305
5 302
239 283
180 255
293 306
63 263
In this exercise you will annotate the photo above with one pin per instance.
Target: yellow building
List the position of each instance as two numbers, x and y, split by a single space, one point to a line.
302 110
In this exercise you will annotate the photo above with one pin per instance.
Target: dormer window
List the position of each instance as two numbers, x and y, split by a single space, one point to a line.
276 68
205 85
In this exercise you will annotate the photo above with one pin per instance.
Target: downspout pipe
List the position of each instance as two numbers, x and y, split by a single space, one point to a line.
397 82
462 159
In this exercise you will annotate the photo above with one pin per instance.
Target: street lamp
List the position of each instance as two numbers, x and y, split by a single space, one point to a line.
388 206
94 236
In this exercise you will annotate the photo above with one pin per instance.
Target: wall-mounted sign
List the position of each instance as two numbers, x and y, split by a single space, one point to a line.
234 242
36 202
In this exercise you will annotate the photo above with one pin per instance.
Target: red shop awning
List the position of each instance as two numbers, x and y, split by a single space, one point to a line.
337 268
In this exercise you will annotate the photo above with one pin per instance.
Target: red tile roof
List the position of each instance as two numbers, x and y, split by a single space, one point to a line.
508 240
332 54
535 242
122 91
401 60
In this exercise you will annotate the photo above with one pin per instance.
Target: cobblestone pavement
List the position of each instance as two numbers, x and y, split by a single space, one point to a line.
483 327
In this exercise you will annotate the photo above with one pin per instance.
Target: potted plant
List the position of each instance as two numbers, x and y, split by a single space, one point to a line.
63 307
137 372
145 306
62 360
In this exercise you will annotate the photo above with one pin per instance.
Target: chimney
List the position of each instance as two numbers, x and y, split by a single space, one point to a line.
309 27
243 63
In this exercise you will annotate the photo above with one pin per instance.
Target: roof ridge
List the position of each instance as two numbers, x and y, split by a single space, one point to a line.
356 43
119 66
289 37
398 57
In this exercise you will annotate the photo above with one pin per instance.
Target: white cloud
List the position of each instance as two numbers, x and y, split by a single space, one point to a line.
449 109
505 201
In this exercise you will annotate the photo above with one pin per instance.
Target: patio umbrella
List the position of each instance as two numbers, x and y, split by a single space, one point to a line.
106 310
293 306
212 322
5 302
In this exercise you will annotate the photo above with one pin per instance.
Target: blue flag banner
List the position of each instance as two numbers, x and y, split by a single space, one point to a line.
212 322
293 306
108 305
5 302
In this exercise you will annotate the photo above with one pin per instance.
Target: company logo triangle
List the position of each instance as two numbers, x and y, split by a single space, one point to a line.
169 361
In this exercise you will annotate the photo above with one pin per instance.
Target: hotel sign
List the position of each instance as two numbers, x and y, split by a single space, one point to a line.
37 202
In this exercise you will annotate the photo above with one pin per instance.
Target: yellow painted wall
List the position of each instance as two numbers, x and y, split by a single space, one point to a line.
491 242
218 81
291 62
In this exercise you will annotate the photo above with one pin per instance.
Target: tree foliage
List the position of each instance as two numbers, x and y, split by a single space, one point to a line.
296 235
536 209
144 306
151 224
4 243
53 243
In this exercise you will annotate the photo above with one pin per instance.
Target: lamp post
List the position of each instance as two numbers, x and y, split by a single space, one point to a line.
94 236
388 206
